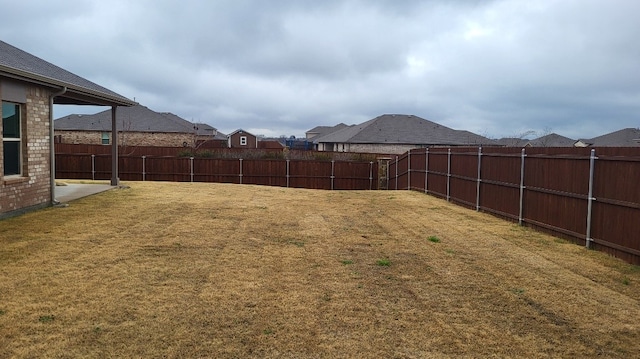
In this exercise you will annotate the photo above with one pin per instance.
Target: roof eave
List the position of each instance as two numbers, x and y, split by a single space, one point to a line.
75 95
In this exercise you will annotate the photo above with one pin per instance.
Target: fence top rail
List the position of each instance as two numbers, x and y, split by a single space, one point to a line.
618 158
563 157
221 159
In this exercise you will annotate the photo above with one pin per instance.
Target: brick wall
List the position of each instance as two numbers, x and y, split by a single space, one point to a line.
161 139
33 188
380 148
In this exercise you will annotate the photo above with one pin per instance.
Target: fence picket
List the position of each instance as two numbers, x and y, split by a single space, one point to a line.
552 194
344 175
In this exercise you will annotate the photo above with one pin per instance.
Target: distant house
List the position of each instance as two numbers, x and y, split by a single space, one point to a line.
320 131
627 137
550 140
242 139
395 134
137 126
209 137
29 87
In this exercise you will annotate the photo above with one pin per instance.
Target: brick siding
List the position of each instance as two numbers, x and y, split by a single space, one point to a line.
380 148
160 139
33 188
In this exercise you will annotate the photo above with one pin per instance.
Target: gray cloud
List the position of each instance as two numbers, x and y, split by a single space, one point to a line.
497 68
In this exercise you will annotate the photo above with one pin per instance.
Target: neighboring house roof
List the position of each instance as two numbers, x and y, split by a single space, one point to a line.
551 140
203 129
21 65
512 142
403 129
133 119
627 137
324 130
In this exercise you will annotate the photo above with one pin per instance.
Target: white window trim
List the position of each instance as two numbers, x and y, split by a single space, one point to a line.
103 137
243 140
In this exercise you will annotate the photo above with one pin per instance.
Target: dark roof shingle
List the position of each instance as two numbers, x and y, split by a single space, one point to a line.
627 137
134 119
19 64
403 129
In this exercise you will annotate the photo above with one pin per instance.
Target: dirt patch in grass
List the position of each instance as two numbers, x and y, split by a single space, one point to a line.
215 270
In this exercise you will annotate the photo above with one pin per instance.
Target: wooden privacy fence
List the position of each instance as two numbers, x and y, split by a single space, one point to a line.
334 175
588 195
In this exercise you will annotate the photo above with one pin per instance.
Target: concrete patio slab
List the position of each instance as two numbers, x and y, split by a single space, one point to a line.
73 191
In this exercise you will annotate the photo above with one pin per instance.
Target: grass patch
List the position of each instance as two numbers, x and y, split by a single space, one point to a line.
46 318
218 276
626 281
434 239
385 262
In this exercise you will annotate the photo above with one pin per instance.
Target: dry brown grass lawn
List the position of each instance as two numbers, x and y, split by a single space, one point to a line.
215 270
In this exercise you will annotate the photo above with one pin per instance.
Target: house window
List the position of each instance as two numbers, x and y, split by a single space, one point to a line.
105 138
11 139
243 140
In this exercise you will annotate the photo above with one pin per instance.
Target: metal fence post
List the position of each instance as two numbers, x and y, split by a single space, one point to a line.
426 170
396 173
144 173
370 175
191 167
479 179
387 173
287 173
522 156
93 167
333 163
240 175
592 162
409 170
449 174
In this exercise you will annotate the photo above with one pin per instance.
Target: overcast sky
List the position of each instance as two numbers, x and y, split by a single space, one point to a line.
282 67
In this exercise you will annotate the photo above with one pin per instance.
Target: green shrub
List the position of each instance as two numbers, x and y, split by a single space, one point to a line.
185 153
318 156
205 154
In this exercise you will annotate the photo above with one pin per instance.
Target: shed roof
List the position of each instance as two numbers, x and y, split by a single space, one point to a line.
240 131
21 65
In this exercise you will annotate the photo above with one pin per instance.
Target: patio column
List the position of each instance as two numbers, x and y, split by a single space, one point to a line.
114 147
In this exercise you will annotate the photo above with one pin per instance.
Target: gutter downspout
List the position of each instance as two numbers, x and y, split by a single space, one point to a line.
52 150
